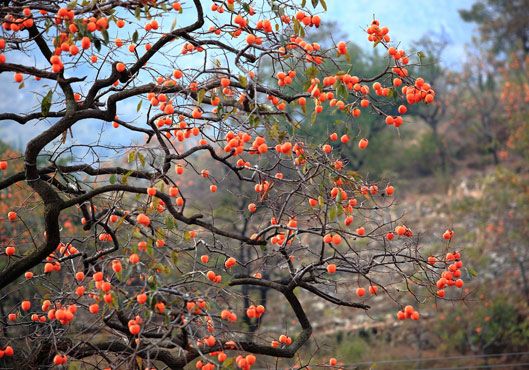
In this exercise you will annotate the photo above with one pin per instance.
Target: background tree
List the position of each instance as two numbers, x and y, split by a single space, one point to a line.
501 23
431 50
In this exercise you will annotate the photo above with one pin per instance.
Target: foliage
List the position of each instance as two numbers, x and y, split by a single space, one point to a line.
494 327
502 24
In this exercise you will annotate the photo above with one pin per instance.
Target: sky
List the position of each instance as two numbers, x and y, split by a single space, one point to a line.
408 21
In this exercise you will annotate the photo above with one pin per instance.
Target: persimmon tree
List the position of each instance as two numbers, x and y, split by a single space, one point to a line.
150 254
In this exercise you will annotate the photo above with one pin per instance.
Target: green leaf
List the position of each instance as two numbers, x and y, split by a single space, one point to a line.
135 36
125 177
173 24
112 179
339 211
82 28
341 91
273 131
137 235
311 72
106 39
138 107
169 223
137 13
243 80
47 24
141 158
313 117
45 105
296 26
314 3
97 44
132 156
301 31
150 249
421 56
200 96
159 233
323 4
332 214
21 86
303 3
253 120
151 281
174 257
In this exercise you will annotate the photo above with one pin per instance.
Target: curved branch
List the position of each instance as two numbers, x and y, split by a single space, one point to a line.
330 298
23 119
9 67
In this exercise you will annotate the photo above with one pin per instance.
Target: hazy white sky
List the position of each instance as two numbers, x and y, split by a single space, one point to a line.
408 20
